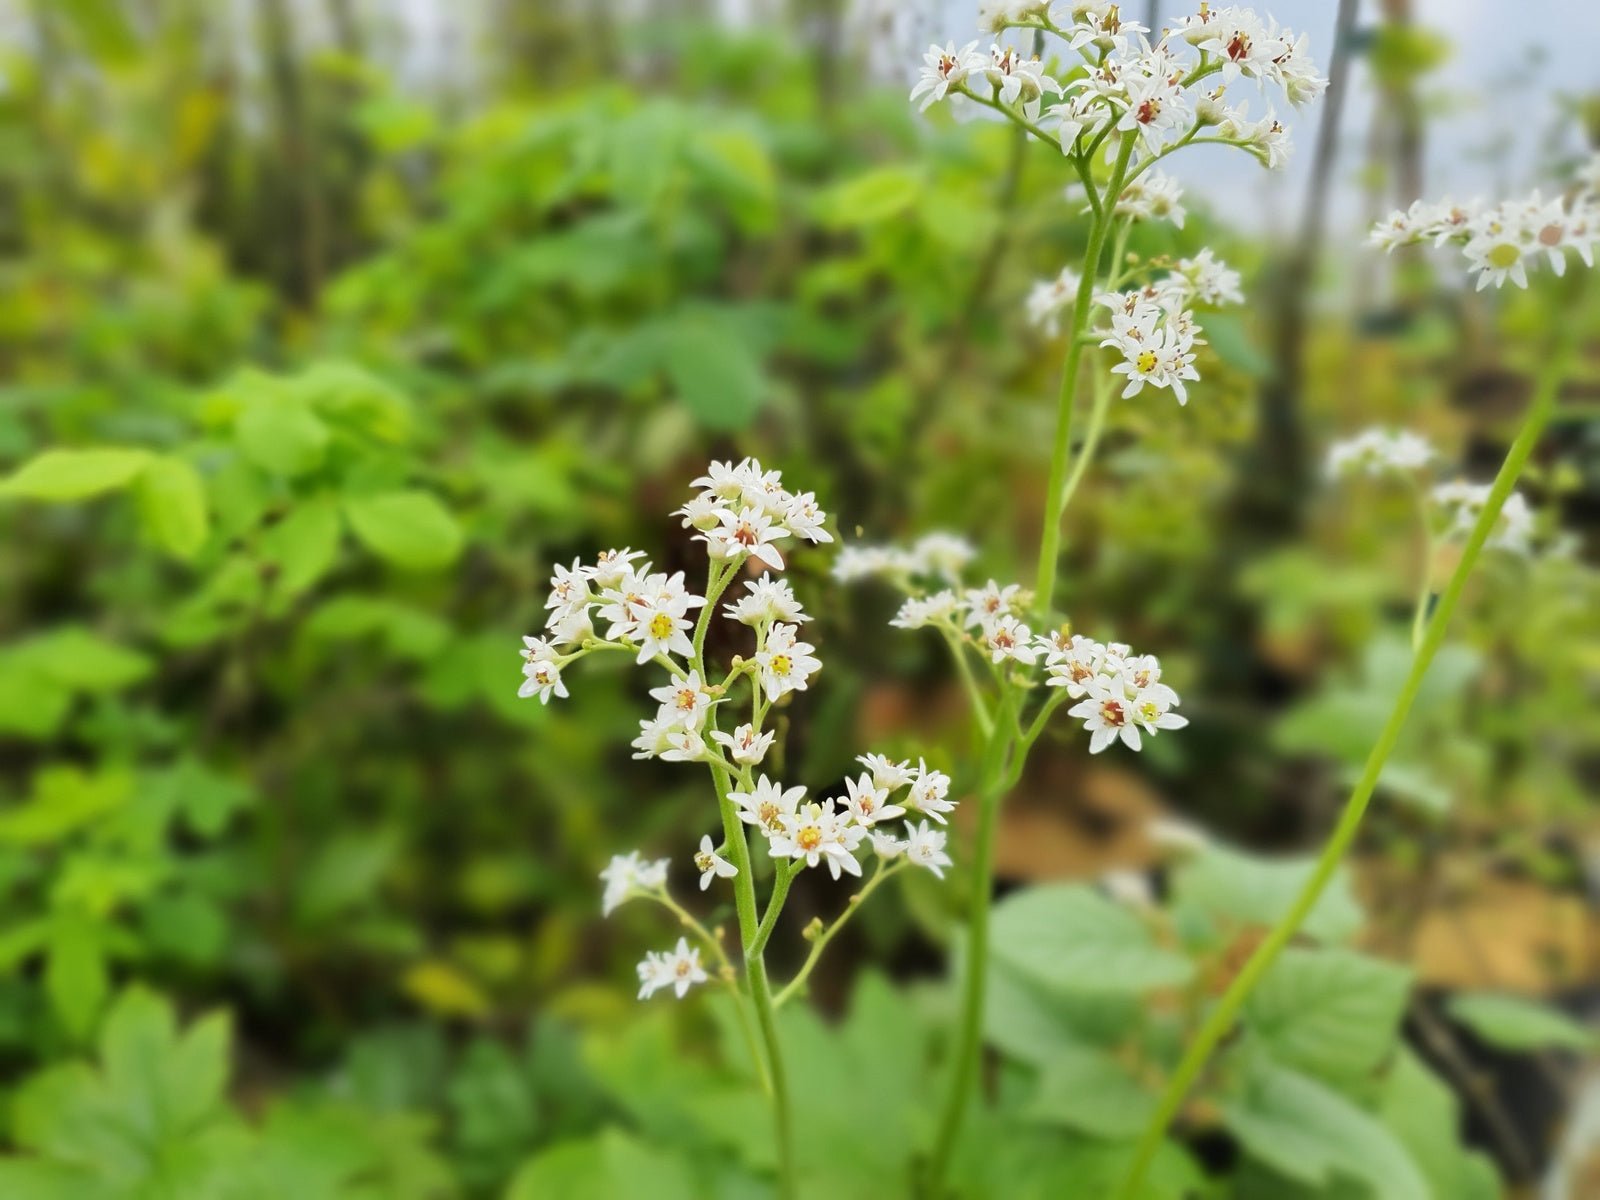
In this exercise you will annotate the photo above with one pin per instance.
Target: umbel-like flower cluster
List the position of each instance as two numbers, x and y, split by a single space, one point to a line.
742 513
1499 241
1450 509
1166 91
1119 693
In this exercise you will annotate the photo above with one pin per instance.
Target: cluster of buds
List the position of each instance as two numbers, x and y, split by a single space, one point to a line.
1499 241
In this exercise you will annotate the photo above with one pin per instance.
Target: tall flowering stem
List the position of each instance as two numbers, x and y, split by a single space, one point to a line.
1221 1018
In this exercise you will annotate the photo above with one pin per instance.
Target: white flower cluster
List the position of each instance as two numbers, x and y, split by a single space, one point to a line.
835 830
1156 336
1459 505
1378 452
1203 279
627 876
1118 692
678 968
1501 240
1132 85
1453 508
935 555
1154 196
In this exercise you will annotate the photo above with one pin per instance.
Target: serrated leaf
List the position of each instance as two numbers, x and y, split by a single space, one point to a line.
64 476
173 506
1070 937
1332 1012
1311 1133
1514 1023
411 529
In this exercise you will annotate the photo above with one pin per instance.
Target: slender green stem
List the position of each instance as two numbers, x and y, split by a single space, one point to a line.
969 1034
1050 543
1419 616
980 709
1091 439
1221 1018
780 892
688 921
884 871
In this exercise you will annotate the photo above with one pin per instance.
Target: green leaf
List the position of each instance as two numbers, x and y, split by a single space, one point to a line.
342 874
62 476
1231 343
63 799
1240 889
611 1165
281 435
870 198
714 373
1091 1092
172 503
85 661
411 529
75 975
1332 1012
1426 1116
1513 1023
304 545
1070 937
1311 1133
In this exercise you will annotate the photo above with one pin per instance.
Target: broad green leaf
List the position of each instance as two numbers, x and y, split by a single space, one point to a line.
1513 1023
62 800
411 529
281 435
172 503
86 662
1231 343
304 545
1070 937
1031 1022
66 475
32 704
1333 1012
605 1167
342 874
869 198
714 373
1240 889
75 974
1311 1133
1091 1092
1426 1116
354 398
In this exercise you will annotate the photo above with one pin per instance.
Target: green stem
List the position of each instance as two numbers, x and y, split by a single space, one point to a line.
1221 1018
780 892
1050 543
969 681
1419 616
1091 440
794 985
969 1034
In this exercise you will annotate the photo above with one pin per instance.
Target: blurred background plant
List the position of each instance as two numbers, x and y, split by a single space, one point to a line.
317 354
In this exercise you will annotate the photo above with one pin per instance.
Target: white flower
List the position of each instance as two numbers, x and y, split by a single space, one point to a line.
886 773
1006 637
1461 504
769 600
805 519
767 804
669 740
1210 280
885 845
726 481
1155 195
991 601
541 669
701 512
744 744
816 834
869 803
1018 78
1105 713
1156 342
662 628
929 793
1049 297
925 847
942 554
919 611
748 531
613 566
678 968
943 70
627 875
710 864
683 702
1075 665
785 662
1377 452
569 592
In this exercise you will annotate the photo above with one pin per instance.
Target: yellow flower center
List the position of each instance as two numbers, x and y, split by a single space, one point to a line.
1146 362
660 625
782 664
1504 255
809 838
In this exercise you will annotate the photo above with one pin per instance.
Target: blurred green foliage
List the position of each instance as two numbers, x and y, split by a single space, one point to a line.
308 379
